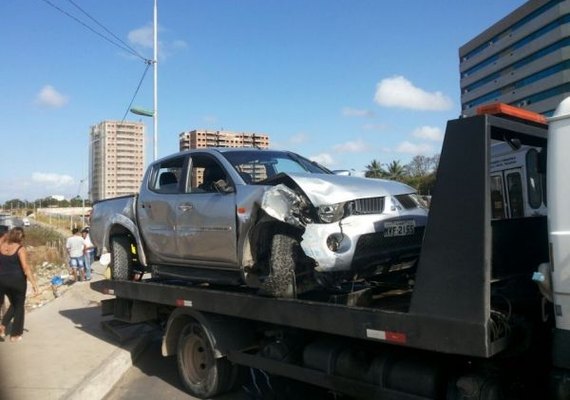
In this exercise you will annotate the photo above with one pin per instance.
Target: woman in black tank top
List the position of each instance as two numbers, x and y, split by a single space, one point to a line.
14 274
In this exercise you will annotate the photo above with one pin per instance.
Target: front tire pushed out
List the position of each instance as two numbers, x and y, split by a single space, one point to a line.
280 281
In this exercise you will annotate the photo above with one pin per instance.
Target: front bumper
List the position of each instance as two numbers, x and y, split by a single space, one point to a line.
361 242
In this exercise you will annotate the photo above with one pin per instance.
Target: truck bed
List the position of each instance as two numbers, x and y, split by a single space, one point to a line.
386 320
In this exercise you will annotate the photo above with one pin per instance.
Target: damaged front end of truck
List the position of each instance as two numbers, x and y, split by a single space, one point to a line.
336 228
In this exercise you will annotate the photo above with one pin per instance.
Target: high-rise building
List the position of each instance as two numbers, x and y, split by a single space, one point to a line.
197 139
522 60
116 159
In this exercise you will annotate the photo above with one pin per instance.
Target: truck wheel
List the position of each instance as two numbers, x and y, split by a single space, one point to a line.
280 281
122 260
202 374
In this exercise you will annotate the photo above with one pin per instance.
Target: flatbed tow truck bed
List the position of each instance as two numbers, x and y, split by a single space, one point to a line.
471 315
380 323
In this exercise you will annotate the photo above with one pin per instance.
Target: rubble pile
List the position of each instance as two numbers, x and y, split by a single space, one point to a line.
53 280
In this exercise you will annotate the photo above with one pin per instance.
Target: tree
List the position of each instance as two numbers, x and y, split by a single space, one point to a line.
426 184
374 170
422 165
14 204
395 171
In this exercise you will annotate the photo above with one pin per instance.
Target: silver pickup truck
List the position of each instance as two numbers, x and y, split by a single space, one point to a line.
267 219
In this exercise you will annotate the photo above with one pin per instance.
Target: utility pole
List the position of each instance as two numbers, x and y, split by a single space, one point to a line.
155 80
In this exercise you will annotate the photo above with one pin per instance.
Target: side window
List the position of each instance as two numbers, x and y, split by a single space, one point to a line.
207 176
252 172
514 187
167 175
533 183
497 197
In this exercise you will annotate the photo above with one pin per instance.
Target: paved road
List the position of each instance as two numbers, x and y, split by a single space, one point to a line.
156 377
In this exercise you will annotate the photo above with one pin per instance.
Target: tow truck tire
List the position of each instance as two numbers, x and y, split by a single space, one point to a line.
202 374
280 281
122 260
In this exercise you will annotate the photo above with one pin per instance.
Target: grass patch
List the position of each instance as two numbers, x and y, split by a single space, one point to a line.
44 244
38 235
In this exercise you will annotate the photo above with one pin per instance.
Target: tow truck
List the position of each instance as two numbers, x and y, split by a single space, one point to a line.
485 316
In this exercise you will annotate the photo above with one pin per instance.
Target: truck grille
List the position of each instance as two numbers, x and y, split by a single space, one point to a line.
374 205
406 201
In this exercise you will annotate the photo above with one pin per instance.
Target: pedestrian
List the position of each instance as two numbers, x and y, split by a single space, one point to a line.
89 255
75 250
14 276
3 231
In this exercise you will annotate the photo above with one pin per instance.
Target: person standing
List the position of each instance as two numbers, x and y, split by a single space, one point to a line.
75 250
3 231
15 272
89 253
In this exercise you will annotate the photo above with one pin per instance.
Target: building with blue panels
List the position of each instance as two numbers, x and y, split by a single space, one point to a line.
522 60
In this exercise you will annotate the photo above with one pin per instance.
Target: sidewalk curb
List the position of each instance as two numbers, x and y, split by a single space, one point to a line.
101 380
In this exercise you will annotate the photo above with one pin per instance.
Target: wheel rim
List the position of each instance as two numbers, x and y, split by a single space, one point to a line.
197 358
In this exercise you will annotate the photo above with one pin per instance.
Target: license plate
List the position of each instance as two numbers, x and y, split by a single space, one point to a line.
399 228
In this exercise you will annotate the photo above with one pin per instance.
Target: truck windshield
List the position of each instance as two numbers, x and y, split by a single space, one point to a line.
257 165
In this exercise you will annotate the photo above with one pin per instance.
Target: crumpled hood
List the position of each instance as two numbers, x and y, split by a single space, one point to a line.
324 189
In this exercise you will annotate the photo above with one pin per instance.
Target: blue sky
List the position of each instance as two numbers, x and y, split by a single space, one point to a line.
340 81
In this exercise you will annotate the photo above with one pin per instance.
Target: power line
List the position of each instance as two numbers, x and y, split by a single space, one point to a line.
106 30
123 47
148 64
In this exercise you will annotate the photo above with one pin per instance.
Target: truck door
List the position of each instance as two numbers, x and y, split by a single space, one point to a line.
206 215
156 209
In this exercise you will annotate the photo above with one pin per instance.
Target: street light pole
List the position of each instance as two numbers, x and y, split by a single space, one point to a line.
155 62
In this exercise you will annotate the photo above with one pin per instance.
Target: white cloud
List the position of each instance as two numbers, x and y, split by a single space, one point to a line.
50 97
354 146
323 158
54 180
429 133
354 112
374 127
397 91
144 37
413 148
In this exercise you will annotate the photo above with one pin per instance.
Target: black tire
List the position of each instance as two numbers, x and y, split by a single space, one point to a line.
202 374
280 281
122 264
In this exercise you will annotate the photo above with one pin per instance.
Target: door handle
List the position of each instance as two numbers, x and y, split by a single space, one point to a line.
185 207
145 205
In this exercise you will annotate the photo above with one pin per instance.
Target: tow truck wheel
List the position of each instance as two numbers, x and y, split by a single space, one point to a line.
202 374
122 260
280 281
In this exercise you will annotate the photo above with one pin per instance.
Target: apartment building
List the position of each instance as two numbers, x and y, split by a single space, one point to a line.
522 60
116 159
197 139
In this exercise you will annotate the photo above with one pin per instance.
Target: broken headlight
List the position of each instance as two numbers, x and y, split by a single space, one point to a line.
331 213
